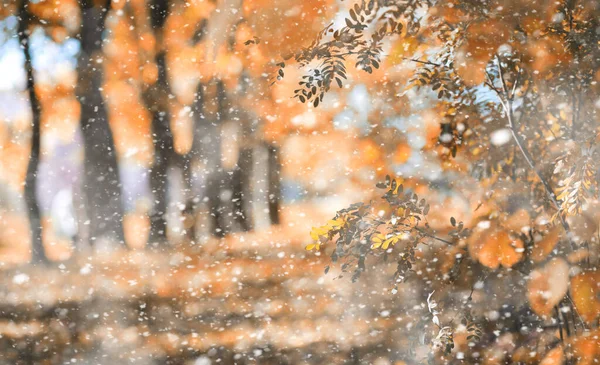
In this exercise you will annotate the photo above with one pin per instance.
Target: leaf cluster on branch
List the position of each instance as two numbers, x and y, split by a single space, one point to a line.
515 87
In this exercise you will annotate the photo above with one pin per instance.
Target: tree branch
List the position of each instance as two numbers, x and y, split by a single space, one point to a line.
432 236
506 100
349 53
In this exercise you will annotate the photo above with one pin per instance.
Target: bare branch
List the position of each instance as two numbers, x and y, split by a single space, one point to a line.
506 101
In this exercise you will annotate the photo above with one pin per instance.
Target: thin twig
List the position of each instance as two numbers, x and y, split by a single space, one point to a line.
576 311
565 321
427 234
562 340
432 236
423 62
470 297
350 53
576 100
506 100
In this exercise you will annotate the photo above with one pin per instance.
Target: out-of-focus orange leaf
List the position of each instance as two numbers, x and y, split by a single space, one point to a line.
370 152
58 34
578 256
546 53
526 356
494 247
517 220
548 285
57 247
477 51
136 228
13 228
586 348
472 72
297 26
13 164
585 291
553 357
543 248
406 46
450 207
149 73
147 42
402 154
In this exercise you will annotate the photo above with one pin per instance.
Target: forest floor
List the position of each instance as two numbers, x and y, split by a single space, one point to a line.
250 298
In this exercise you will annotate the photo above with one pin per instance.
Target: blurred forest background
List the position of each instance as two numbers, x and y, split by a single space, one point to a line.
163 164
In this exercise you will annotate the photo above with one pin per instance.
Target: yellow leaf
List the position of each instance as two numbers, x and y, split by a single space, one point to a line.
336 223
563 114
563 195
399 182
318 232
314 234
377 240
389 241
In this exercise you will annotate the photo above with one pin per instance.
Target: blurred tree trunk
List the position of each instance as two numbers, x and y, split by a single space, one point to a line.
209 112
274 183
242 189
189 217
37 249
101 181
156 98
162 139
249 158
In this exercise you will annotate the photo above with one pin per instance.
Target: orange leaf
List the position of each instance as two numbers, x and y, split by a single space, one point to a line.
402 154
548 285
553 357
494 247
578 256
543 248
517 220
585 291
586 348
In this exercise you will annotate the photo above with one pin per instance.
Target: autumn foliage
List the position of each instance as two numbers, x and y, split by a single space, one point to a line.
461 137
516 95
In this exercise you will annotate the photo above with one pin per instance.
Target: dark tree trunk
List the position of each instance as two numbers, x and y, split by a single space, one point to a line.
157 102
218 225
189 212
159 182
156 98
37 249
101 181
209 110
274 181
242 189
